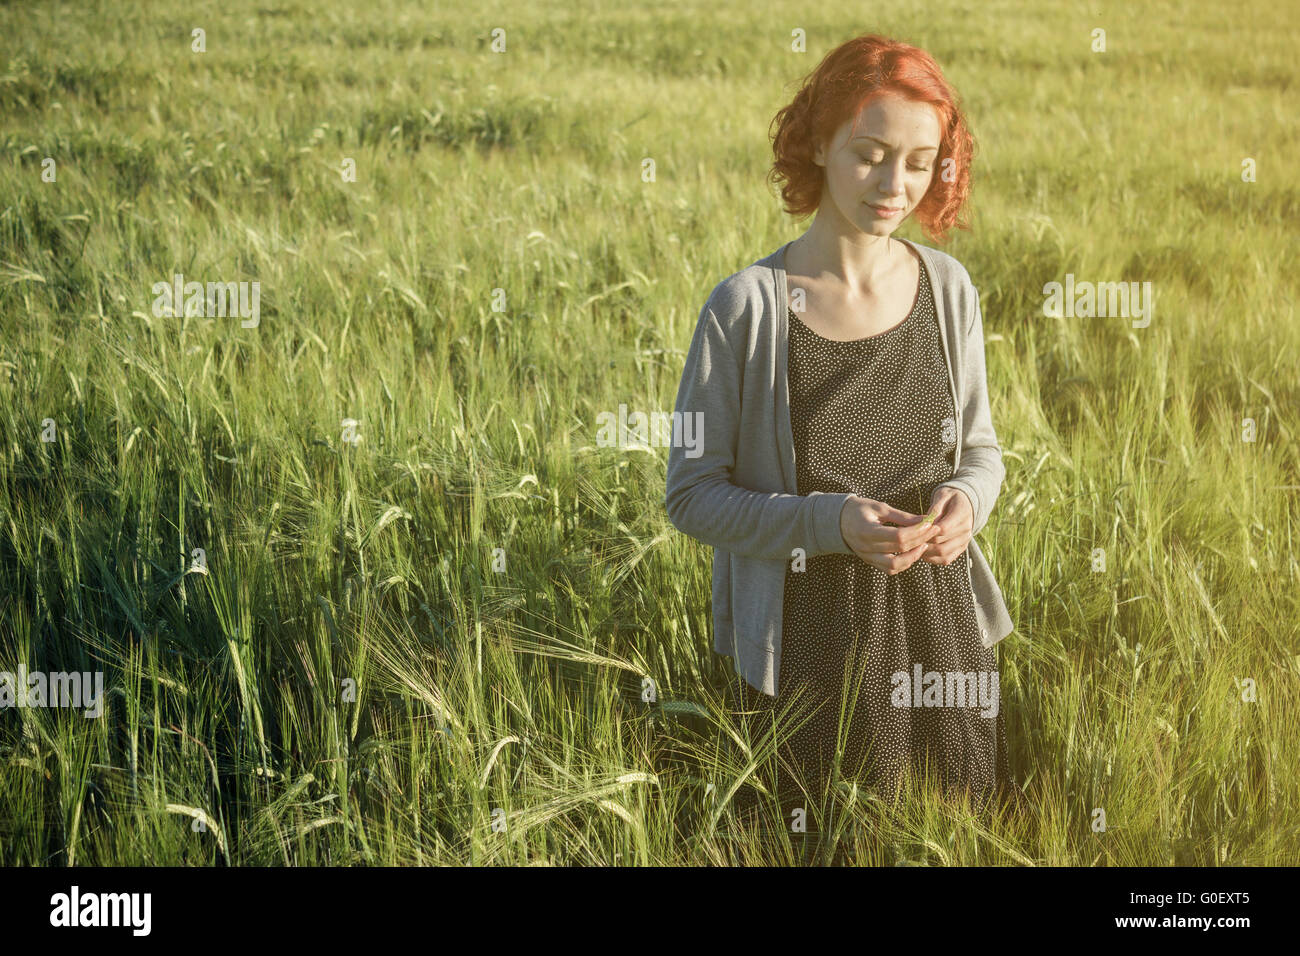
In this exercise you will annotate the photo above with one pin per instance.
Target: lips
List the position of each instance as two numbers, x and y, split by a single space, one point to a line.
886 208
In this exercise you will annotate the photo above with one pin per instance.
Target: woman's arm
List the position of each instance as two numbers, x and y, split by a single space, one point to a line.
979 474
700 497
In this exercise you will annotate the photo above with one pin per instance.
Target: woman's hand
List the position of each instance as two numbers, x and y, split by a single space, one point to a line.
868 527
954 516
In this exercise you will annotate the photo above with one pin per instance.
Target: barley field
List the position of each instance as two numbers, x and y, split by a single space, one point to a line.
362 581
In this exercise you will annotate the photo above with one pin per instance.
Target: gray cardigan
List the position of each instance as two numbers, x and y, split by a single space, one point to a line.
734 487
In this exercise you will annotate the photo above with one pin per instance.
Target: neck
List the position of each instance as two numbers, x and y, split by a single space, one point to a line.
859 261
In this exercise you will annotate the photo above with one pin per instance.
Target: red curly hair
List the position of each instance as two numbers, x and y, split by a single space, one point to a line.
849 78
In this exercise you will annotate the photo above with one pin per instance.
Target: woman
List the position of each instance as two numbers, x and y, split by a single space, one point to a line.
848 454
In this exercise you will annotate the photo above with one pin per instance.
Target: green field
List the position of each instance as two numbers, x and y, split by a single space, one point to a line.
360 676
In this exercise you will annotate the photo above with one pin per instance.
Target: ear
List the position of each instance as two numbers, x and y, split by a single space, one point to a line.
819 154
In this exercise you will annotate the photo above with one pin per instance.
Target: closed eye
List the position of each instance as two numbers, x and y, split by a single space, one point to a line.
873 162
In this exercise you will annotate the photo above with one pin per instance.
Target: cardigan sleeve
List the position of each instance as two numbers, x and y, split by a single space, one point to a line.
980 473
701 498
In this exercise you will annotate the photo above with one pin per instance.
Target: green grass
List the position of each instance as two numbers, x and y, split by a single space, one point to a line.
517 695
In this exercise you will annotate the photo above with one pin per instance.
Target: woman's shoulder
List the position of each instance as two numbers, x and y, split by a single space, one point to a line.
946 269
744 293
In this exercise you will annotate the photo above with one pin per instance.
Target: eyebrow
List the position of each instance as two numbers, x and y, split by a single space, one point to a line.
919 149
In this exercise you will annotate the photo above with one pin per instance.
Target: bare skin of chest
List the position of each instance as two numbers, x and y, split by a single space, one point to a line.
842 316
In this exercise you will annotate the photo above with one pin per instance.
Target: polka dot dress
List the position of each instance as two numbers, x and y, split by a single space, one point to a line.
875 417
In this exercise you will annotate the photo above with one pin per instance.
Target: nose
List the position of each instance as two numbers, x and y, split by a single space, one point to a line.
891 181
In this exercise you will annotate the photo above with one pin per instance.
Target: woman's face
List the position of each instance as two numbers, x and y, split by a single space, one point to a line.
886 163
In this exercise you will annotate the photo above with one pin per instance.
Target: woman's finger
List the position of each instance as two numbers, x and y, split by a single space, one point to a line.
896 563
